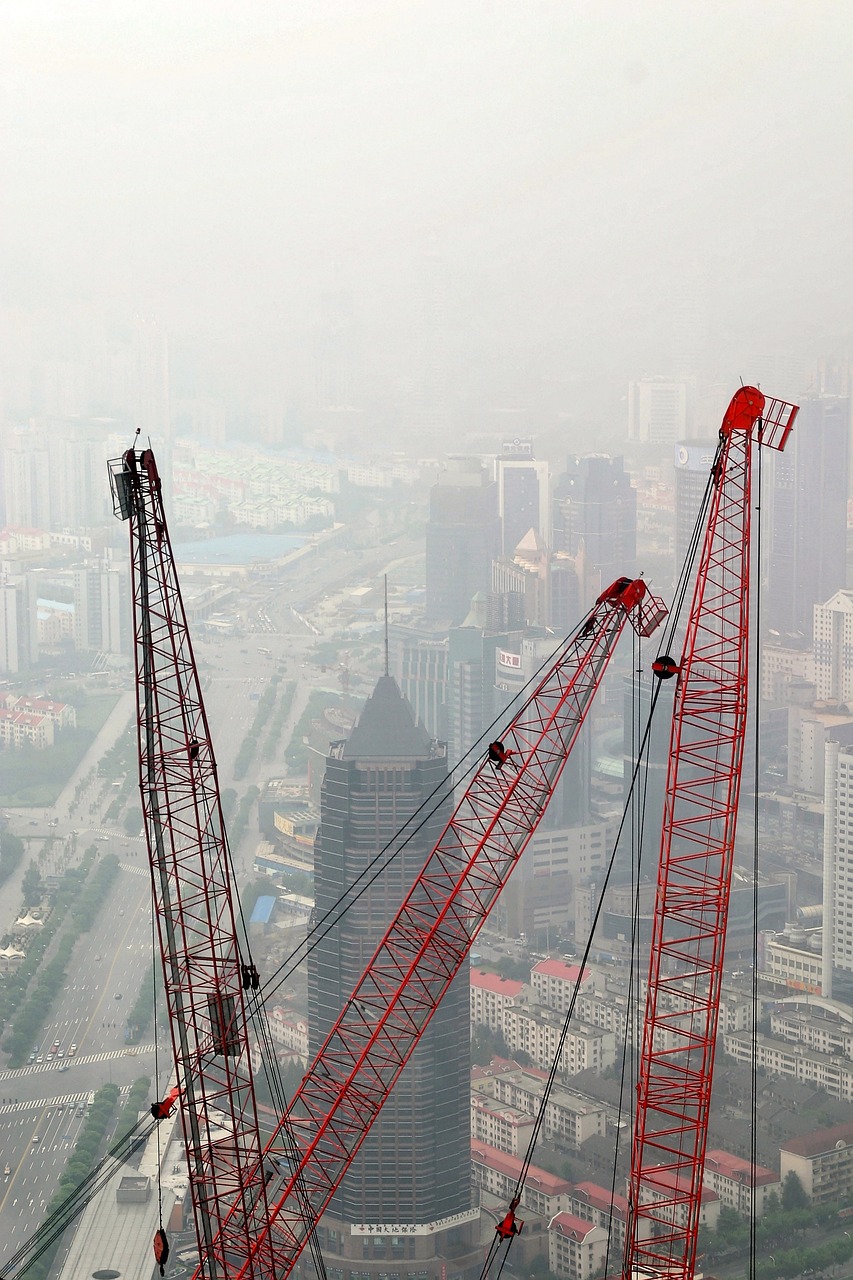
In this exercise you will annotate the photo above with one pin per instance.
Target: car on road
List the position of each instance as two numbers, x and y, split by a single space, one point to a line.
56 1045
40 1058
72 1050
32 1057
36 1137
117 995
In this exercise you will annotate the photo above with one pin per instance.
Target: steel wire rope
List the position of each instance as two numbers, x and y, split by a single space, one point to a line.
753 1045
554 1068
379 863
75 1202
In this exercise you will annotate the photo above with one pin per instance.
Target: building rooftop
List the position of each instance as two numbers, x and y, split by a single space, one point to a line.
263 909
512 1166
495 983
557 969
821 1142
386 727
738 1169
568 1225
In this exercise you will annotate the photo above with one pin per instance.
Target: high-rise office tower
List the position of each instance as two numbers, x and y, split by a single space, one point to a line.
462 539
524 498
595 509
693 462
838 873
807 499
18 623
406 1198
657 410
102 615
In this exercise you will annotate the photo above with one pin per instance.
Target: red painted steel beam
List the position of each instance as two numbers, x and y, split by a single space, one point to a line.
697 849
193 906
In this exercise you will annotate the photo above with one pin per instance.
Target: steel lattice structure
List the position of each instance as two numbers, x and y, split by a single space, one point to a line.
697 848
193 905
425 945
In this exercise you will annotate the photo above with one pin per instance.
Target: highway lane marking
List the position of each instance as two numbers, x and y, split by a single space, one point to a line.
80 1060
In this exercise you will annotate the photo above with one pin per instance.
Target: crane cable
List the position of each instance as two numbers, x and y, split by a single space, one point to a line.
555 1063
641 758
76 1201
753 1092
380 862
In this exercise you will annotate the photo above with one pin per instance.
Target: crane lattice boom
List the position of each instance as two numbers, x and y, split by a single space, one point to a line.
426 944
697 849
191 883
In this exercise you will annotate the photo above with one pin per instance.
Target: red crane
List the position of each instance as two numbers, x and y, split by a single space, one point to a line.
426 944
697 848
255 1209
206 975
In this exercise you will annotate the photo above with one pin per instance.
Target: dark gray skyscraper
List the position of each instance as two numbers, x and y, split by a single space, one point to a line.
462 539
808 515
595 507
413 1171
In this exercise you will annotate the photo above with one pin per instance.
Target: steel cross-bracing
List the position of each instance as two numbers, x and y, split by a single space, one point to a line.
193 905
426 944
697 849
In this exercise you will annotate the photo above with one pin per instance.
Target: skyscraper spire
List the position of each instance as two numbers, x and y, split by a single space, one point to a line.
387 672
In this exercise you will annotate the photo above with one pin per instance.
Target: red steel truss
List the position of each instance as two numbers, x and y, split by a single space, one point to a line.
426 944
697 846
193 905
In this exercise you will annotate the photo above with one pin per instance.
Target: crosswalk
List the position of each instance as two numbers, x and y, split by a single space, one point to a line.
81 1060
83 1097
133 870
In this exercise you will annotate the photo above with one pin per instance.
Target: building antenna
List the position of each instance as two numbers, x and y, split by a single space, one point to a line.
387 672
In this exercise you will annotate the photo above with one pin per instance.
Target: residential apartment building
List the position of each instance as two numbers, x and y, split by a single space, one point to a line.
794 1062
569 1119
738 1182
491 995
537 1032
576 1248
498 1174
554 983
500 1126
823 1162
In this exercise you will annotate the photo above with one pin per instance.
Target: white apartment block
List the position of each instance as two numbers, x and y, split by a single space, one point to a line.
289 1032
596 1205
823 1162
795 967
491 995
576 1249
837 861
20 728
569 1119
671 1192
554 983
794 1062
503 1127
780 667
833 647
537 1033
737 1181
498 1174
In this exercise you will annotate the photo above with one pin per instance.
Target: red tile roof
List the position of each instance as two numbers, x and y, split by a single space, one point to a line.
548 1183
738 1170
599 1198
820 1142
495 983
666 1180
568 1225
556 969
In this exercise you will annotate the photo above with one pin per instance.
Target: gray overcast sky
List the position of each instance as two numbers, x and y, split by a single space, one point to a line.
595 176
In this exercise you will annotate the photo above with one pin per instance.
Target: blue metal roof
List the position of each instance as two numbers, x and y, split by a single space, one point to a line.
263 909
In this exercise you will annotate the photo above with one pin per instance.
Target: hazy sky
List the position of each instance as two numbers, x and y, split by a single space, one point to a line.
608 186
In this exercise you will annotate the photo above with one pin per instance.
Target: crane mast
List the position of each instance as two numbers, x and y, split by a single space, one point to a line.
426 944
193 904
697 849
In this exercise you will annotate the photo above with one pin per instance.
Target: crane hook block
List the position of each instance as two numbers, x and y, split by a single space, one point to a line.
161 1250
665 667
250 977
162 1110
509 1225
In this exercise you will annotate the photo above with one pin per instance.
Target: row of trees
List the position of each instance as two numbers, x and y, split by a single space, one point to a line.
78 903
780 1235
251 742
81 1162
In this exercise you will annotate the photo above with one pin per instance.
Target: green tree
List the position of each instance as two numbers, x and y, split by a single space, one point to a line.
793 1194
31 886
